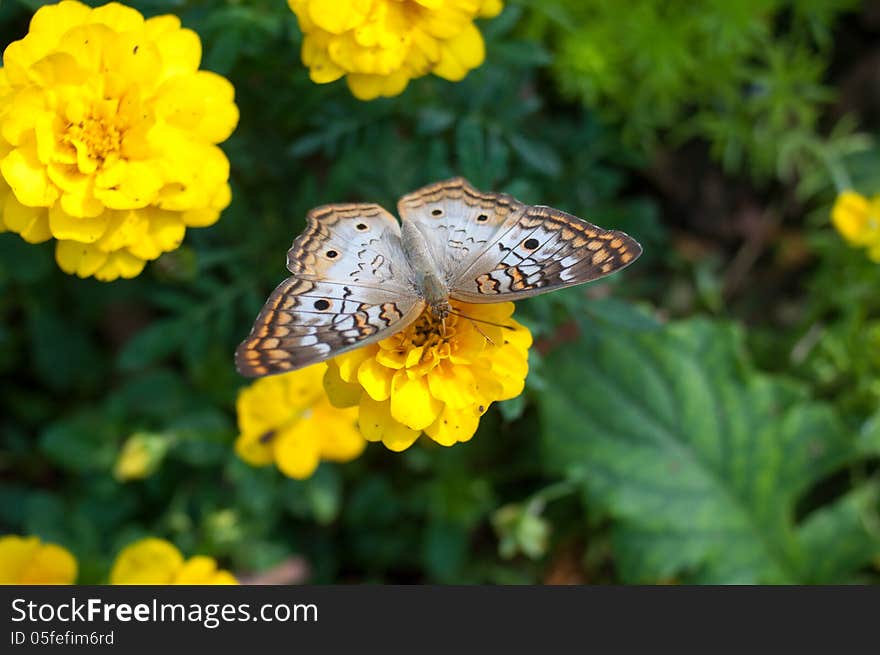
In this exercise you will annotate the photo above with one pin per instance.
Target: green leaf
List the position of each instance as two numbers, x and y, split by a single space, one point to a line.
81 443
202 438
318 497
160 394
843 536
698 458
614 313
324 493
444 549
23 262
64 353
539 156
471 152
153 343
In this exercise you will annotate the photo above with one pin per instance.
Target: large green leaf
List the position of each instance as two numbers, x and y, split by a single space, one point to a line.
699 458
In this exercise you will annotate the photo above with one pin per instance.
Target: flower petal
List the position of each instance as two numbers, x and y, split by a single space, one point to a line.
117 16
340 439
454 426
297 449
850 216
338 16
27 177
181 52
350 362
376 424
120 264
148 561
124 228
460 54
255 447
340 393
82 259
263 406
25 560
375 379
201 570
412 403
32 223
200 103
86 230
454 385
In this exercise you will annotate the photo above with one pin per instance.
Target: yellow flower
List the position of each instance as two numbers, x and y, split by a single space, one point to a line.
156 561
858 221
380 45
107 137
26 560
422 380
288 419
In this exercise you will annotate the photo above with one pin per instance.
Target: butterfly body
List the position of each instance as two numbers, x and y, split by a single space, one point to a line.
427 274
359 276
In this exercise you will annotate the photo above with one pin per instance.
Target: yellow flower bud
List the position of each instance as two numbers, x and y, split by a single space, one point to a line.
141 456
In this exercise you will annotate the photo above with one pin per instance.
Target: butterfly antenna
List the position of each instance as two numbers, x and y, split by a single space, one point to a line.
480 320
480 330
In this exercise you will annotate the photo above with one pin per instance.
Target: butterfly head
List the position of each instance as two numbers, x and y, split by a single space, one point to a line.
440 309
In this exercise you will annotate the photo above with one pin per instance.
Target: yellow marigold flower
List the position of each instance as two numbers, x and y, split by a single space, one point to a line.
380 45
108 136
858 221
156 561
26 560
288 420
422 380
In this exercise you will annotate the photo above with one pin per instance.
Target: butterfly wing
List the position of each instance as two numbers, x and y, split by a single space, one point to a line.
351 286
518 250
353 243
457 221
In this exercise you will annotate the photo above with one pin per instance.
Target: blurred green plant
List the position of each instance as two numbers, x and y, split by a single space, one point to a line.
746 76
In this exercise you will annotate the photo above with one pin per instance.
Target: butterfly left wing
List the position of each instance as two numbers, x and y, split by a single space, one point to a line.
351 286
305 322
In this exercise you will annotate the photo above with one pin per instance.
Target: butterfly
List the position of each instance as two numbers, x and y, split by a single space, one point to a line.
359 276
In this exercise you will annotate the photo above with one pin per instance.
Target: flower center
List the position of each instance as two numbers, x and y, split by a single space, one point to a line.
96 136
428 330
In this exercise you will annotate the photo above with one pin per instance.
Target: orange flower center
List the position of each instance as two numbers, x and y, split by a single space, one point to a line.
99 138
428 331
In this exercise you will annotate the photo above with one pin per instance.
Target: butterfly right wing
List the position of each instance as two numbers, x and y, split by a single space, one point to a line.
493 248
351 286
543 249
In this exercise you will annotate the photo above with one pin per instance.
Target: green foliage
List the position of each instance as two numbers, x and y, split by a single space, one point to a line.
741 448
746 75
701 460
